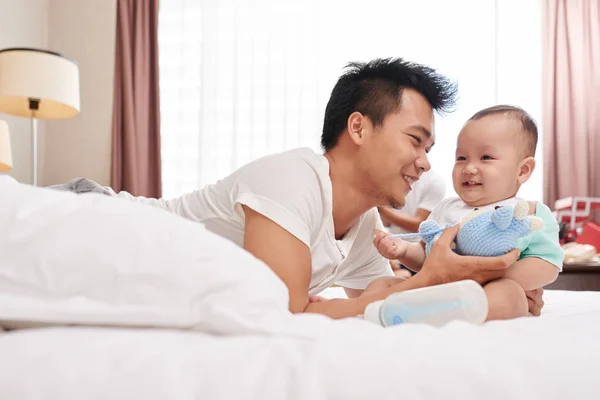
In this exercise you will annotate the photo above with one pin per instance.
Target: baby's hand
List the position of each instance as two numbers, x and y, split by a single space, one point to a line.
390 248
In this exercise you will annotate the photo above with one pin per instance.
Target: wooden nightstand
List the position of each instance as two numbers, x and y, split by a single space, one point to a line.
578 276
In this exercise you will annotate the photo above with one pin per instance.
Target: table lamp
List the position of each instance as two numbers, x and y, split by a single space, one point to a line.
38 84
5 154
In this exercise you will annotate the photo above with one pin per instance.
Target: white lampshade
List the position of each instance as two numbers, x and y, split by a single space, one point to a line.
27 74
5 153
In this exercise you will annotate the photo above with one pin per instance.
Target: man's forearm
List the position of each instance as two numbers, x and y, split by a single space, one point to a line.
344 308
409 223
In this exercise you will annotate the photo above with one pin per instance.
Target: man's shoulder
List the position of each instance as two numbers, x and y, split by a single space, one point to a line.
298 155
293 163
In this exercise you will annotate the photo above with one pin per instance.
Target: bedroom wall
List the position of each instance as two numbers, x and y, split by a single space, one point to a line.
23 23
85 31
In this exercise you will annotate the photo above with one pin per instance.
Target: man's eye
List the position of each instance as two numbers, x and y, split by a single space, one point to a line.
418 139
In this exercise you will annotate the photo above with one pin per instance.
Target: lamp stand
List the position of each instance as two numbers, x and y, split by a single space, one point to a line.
34 105
34 149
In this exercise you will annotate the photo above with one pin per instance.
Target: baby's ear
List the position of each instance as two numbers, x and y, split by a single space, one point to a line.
535 223
526 169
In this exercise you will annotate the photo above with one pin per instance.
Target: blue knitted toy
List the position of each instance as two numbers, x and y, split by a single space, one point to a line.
482 233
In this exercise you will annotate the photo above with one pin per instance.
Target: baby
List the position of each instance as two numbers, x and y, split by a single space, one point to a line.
494 157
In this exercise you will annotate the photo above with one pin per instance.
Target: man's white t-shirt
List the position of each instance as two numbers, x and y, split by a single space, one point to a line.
426 193
293 189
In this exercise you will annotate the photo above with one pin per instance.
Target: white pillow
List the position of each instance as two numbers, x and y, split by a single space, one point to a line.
99 260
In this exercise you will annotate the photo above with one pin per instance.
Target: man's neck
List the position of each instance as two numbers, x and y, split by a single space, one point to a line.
350 199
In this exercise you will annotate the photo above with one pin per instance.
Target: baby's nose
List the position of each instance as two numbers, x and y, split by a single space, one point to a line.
470 169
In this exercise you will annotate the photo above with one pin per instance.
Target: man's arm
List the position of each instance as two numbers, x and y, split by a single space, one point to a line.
407 222
285 254
290 259
377 284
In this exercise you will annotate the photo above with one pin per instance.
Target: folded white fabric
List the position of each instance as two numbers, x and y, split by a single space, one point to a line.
98 260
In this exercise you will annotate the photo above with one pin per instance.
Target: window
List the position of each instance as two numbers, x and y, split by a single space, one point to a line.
241 79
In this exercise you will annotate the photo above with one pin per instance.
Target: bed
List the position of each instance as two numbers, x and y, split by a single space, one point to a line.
555 356
102 298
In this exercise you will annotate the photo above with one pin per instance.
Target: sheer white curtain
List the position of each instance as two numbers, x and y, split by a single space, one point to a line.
244 78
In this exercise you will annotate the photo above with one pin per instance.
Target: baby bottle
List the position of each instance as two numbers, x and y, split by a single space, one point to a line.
434 305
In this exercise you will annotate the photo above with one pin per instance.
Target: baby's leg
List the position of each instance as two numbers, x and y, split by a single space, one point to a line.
506 300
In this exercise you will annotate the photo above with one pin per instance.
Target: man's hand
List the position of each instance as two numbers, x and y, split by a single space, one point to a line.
535 301
443 265
316 299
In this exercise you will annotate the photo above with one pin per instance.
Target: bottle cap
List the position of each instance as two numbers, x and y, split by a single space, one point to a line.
372 312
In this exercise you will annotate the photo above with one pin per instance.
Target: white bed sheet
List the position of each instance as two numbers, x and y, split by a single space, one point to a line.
556 356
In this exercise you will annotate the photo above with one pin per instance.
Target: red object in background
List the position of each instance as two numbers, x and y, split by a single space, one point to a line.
590 235
574 210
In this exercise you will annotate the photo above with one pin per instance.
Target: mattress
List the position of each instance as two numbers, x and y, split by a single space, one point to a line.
555 356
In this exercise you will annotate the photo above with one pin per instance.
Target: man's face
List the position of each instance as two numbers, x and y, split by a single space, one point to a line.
394 155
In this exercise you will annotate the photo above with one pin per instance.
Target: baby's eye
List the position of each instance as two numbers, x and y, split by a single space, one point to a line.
461 158
486 158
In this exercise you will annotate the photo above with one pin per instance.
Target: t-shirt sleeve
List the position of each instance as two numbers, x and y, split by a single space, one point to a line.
375 265
287 190
436 191
544 243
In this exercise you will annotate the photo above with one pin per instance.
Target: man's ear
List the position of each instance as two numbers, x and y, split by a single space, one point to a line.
357 123
526 169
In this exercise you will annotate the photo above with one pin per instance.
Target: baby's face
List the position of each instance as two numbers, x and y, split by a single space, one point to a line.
488 160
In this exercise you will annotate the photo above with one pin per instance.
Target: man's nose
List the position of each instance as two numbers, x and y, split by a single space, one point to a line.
423 164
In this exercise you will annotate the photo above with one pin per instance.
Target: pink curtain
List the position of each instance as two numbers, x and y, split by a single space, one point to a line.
136 113
571 121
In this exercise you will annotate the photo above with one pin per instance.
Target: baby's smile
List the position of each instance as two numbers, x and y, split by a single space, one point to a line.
470 184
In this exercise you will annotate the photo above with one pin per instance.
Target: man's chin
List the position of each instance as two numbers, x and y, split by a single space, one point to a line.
397 204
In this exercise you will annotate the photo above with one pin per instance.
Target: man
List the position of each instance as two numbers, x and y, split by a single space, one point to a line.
310 217
422 199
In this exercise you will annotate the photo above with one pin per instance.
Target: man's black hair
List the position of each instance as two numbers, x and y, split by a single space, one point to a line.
375 90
